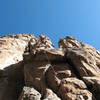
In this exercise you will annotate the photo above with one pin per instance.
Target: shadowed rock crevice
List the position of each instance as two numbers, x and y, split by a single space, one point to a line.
89 86
73 68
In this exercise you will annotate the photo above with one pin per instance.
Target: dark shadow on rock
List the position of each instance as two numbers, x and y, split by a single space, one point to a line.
12 81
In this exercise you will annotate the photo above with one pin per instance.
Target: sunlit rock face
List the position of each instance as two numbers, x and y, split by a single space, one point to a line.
33 69
12 48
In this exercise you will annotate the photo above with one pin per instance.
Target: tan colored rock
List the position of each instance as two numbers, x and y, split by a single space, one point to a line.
74 89
52 80
32 69
68 42
83 56
50 95
63 70
30 93
37 44
45 55
34 75
44 42
94 85
85 60
12 48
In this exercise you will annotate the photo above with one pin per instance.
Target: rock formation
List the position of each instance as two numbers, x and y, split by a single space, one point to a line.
33 69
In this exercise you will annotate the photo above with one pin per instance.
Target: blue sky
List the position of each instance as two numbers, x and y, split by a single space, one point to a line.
55 18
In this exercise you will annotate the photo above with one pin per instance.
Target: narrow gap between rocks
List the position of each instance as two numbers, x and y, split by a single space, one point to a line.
73 68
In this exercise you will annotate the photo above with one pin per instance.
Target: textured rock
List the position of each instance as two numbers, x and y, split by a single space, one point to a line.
50 95
85 60
33 73
94 85
83 56
12 48
52 80
74 89
32 69
29 93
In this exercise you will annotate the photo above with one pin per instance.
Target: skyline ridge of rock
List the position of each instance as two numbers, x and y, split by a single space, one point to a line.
31 68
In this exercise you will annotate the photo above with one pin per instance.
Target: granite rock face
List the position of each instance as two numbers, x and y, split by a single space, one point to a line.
33 69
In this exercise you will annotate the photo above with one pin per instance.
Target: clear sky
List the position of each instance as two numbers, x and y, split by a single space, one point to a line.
55 18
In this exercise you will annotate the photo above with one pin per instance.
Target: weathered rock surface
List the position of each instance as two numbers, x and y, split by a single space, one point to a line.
85 60
29 93
12 48
74 89
50 95
32 69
